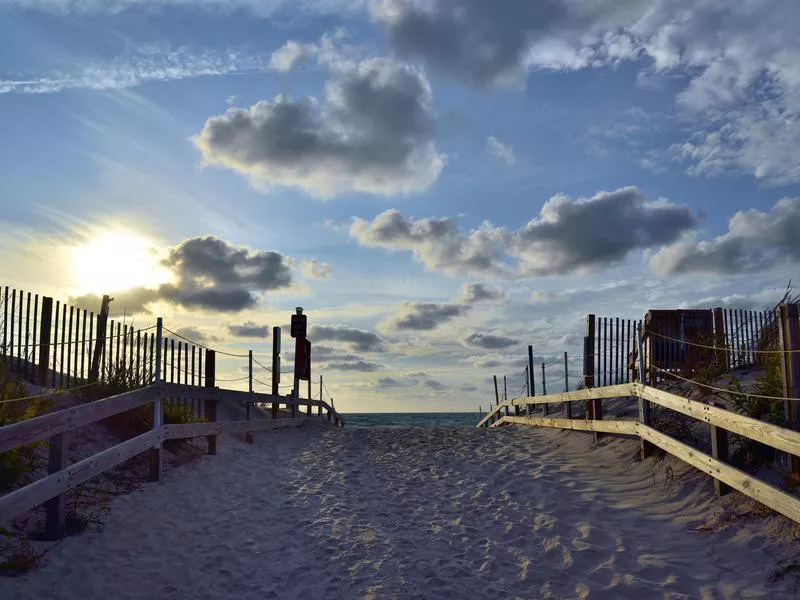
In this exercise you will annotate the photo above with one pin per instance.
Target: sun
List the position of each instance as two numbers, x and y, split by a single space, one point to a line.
113 261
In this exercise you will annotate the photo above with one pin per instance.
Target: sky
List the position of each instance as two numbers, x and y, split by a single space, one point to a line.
437 183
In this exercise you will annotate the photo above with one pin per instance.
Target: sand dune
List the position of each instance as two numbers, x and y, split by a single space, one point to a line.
425 513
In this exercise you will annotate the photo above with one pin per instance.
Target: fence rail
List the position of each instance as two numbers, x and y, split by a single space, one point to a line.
152 367
777 437
55 426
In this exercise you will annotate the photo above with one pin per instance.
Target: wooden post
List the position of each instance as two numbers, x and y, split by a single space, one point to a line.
645 447
211 404
56 508
44 339
505 393
588 370
5 323
276 368
158 406
531 381
100 339
27 359
567 405
496 396
789 322
319 406
545 406
308 406
719 450
719 337
248 436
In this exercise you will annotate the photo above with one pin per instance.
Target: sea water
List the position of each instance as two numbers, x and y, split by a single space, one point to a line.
422 419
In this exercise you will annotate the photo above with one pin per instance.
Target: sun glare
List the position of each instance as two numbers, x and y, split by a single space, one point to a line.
113 261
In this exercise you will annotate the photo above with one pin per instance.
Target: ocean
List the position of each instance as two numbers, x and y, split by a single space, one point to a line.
423 419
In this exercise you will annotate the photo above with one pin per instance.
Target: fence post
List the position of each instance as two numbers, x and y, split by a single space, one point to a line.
308 406
496 398
100 339
545 406
248 436
719 450
211 403
56 508
719 338
46 324
158 404
567 405
319 406
790 369
505 394
645 447
531 381
276 368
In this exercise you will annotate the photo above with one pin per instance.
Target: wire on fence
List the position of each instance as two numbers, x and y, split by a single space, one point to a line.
199 345
255 360
49 394
723 390
724 348
122 336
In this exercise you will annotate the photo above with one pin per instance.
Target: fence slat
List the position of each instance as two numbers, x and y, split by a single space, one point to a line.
5 322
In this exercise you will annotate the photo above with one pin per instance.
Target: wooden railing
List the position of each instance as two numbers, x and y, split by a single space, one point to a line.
56 428
718 419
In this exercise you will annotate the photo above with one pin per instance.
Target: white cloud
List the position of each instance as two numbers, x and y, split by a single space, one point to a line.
149 63
373 133
501 151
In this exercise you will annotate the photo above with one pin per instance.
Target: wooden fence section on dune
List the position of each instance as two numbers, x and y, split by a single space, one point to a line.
719 420
56 427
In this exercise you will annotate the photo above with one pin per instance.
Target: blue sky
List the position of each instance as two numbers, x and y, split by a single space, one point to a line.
371 160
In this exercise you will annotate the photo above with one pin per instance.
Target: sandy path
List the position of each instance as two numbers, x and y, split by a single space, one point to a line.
407 514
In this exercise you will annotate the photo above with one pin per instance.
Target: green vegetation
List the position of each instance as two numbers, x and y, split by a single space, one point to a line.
17 466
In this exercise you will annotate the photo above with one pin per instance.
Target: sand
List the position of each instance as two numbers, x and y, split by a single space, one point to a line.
424 513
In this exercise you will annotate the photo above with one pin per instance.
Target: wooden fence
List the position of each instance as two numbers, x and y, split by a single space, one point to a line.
715 416
166 376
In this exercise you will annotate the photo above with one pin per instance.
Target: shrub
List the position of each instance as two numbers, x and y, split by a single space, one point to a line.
17 466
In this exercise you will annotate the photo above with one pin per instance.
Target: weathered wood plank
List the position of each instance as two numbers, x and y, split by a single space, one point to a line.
766 494
107 459
766 433
610 391
26 432
621 427
39 428
107 407
32 495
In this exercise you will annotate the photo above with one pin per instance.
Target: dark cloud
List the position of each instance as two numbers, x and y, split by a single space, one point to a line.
424 316
249 330
478 292
468 388
755 241
360 365
326 353
475 40
489 342
437 243
374 133
569 236
584 235
195 335
211 262
435 385
389 382
359 340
